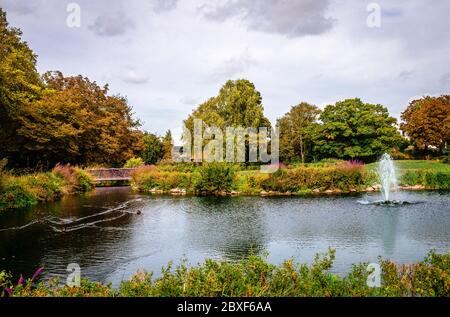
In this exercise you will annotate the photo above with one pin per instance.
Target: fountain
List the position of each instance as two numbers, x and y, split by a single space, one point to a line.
387 176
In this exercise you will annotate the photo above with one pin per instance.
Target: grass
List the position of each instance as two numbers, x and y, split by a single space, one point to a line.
255 277
407 165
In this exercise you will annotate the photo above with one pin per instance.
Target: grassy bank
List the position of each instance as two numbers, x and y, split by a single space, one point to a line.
255 277
336 177
28 190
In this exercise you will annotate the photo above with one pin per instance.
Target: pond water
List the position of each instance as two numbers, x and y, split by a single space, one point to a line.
109 238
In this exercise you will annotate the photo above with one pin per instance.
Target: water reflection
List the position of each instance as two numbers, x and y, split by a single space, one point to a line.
233 226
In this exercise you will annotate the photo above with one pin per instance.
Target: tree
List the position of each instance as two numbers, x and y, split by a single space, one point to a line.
352 129
167 144
295 132
20 85
238 104
76 121
153 149
426 122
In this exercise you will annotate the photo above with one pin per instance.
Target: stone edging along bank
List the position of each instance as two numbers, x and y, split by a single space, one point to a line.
263 193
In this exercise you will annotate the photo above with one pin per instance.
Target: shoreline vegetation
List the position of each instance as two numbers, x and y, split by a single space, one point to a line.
220 179
340 177
28 190
253 276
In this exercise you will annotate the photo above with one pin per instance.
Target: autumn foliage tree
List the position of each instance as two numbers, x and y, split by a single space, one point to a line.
426 122
20 85
76 121
50 119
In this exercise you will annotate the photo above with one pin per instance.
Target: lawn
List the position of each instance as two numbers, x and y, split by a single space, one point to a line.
406 165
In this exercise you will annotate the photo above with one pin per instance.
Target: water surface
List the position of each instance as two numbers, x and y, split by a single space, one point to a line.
105 234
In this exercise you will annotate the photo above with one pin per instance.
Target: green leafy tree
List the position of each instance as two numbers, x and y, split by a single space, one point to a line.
295 132
352 129
426 122
153 148
238 104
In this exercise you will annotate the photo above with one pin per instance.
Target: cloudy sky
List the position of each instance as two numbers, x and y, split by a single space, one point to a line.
167 56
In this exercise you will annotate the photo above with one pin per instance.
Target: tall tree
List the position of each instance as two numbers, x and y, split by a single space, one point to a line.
295 132
167 144
20 85
238 104
352 129
76 121
153 149
426 122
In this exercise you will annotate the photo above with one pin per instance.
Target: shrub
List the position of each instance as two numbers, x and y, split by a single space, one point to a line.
134 162
214 177
84 181
16 193
343 176
253 276
149 177
77 180
430 179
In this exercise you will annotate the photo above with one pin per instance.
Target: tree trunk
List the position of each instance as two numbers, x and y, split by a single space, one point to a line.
301 150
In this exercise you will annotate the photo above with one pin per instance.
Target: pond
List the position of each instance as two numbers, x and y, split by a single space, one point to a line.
113 232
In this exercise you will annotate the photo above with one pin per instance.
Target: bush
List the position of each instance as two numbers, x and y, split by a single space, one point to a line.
214 177
149 177
27 190
16 193
343 176
255 277
134 162
77 180
428 178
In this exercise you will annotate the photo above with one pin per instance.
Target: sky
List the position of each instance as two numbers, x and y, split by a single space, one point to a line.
168 56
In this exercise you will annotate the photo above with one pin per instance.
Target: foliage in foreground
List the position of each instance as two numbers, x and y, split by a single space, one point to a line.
28 190
254 276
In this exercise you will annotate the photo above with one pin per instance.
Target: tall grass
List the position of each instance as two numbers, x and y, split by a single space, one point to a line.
28 190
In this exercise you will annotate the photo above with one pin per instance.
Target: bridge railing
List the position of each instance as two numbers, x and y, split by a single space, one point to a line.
110 174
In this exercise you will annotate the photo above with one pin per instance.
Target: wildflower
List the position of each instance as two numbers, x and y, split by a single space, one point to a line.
37 273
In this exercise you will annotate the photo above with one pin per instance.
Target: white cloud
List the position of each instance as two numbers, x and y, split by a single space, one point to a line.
164 5
111 25
232 67
131 76
292 18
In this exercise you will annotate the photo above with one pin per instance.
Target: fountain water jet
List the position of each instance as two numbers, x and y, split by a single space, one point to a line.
387 175
388 179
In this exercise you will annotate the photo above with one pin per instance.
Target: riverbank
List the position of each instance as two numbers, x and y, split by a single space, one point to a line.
28 190
225 180
255 277
331 179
